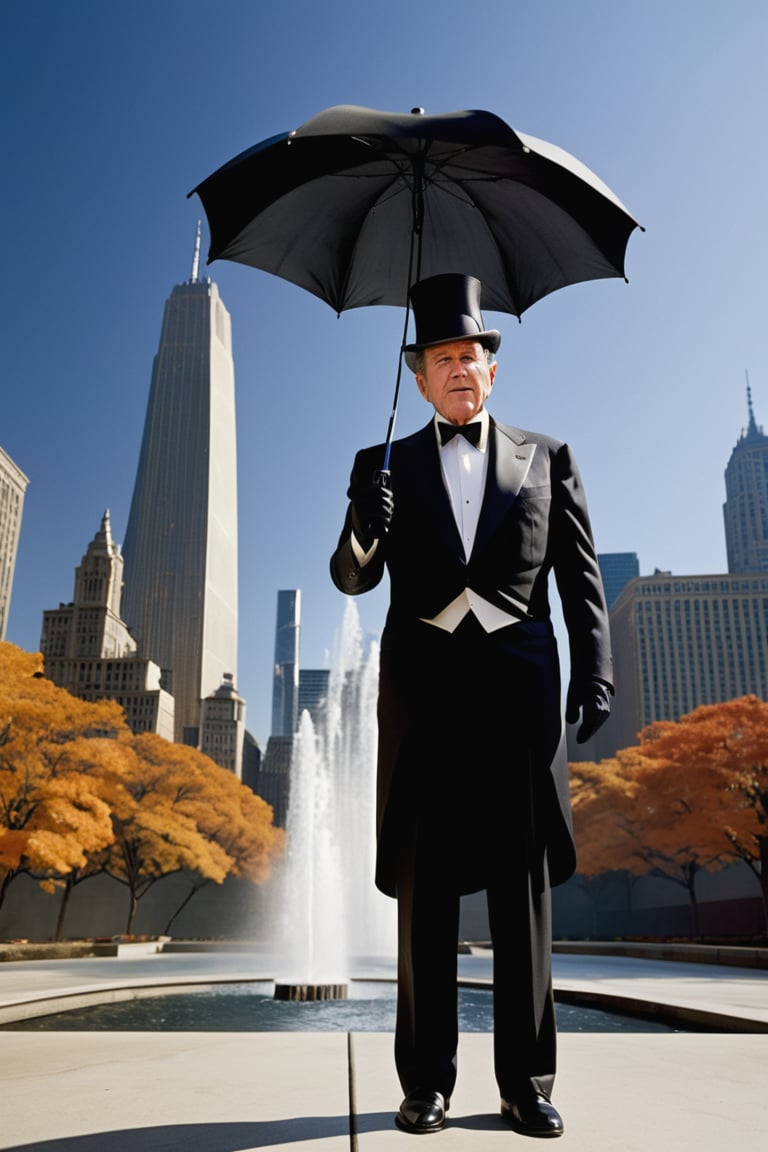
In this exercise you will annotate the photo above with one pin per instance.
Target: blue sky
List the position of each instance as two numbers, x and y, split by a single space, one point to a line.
114 109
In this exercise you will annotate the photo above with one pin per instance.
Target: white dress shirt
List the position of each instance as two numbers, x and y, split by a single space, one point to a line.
464 468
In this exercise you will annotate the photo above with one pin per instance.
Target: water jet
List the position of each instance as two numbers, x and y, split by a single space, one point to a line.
327 914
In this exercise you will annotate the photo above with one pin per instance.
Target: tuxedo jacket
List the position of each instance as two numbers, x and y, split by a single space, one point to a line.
533 524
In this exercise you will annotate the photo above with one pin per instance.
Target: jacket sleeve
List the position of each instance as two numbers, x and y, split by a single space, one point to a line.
577 573
347 573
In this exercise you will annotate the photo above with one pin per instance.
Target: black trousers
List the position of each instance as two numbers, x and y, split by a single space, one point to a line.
426 1037
482 724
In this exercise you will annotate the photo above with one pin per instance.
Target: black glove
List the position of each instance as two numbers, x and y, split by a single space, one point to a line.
371 510
593 701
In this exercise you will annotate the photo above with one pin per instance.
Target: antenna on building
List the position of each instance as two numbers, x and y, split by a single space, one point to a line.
196 257
752 428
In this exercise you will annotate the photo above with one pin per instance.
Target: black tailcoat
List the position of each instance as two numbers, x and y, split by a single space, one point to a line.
471 742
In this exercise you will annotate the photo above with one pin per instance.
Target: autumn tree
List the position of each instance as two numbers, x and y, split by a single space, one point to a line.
640 814
678 826
175 810
51 814
603 798
719 755
230 815
81 795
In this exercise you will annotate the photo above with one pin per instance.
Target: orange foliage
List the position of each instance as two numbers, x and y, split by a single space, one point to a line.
51 812
721 750
80 794
603 797
692 795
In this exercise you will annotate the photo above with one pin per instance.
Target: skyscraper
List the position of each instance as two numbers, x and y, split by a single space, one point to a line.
746 499
285 680
617 569
13 485
313 691
180 546
222 734
89 651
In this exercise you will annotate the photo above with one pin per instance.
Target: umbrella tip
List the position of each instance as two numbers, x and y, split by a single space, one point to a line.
417 111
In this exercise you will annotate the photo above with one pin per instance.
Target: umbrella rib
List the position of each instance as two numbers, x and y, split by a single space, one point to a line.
469 201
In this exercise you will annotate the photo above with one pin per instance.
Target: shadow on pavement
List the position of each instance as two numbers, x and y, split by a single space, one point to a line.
225 1137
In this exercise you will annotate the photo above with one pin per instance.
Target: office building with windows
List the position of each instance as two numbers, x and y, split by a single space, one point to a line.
223 726
683 641
313 692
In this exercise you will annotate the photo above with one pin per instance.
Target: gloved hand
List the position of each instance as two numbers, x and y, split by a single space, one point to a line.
371 510
593 700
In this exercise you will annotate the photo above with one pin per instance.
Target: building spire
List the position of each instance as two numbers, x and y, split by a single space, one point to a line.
754 431
196 257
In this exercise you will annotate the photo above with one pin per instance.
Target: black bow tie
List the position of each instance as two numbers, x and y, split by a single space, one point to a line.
471 431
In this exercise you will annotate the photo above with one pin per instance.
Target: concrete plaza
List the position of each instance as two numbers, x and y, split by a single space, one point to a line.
236 1091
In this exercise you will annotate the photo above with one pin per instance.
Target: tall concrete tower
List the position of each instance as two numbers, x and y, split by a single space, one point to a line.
13 485
180 547
746 499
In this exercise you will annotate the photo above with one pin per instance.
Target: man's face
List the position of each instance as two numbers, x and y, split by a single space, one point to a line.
457 379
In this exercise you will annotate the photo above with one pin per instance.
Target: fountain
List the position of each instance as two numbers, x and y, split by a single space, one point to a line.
329 913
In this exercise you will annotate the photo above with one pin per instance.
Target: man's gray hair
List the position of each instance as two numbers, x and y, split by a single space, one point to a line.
419 359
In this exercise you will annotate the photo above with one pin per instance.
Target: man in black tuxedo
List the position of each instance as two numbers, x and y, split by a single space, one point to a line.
472 775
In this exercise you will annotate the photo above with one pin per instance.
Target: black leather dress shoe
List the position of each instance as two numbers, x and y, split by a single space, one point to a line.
532 1115
422 1111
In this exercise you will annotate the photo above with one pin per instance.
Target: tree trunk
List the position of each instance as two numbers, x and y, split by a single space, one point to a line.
763 841
68 886
193 891
134 903
695 921
691 871
5 884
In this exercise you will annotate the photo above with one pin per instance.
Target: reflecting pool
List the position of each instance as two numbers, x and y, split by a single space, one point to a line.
250 1007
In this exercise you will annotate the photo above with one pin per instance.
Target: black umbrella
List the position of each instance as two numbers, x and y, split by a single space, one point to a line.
357 205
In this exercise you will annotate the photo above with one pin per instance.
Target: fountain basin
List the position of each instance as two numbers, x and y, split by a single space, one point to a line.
310 992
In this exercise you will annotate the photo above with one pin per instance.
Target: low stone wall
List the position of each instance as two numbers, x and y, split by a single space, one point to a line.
98 910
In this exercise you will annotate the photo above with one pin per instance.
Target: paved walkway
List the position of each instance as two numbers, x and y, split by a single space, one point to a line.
233 1092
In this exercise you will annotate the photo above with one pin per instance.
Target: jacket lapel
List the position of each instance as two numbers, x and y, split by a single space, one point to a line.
424 476
509 461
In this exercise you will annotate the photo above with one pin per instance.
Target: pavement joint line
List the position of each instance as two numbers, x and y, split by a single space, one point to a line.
353 1132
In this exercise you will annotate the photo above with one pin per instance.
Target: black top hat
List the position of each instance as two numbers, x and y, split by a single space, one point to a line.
447 308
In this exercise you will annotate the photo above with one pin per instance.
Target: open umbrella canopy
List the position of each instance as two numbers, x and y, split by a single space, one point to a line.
356 205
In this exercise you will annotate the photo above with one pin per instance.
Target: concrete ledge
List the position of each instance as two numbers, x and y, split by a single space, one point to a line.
81 949
729 954
51 1003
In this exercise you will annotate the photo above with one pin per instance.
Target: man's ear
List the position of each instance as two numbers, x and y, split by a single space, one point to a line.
492 370
421 384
